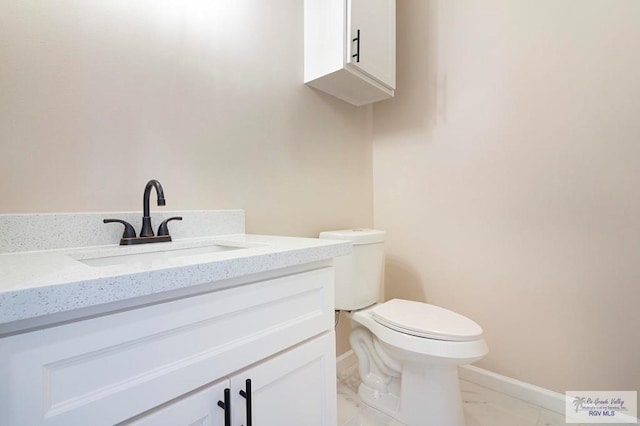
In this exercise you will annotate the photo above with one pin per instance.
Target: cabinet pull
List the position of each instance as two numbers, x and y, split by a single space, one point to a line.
226 406
357 40
247 395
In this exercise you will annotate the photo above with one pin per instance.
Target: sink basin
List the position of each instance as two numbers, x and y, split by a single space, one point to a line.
125 259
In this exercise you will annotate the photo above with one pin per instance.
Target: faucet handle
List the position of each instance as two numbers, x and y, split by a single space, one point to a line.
129 232
163 229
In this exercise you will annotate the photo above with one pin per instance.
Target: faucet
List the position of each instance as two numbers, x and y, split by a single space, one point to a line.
146 233
146 230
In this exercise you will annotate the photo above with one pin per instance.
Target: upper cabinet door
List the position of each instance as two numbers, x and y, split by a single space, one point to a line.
350 48
371 32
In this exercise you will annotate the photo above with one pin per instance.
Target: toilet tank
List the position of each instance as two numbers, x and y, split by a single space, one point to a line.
359 275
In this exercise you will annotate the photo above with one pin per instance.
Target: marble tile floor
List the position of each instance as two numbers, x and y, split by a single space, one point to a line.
482 407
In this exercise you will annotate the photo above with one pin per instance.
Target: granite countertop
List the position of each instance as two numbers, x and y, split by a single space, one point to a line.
39 283
61 267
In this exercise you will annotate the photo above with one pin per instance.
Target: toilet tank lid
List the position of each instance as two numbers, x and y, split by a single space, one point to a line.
356 236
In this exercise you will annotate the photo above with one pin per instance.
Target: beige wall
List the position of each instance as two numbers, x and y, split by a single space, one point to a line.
505 170
506 173
97 97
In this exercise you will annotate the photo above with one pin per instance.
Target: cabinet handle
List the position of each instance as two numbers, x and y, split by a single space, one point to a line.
226 406
247 395
357 40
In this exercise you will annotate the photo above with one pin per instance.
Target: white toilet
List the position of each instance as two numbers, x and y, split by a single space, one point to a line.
408 352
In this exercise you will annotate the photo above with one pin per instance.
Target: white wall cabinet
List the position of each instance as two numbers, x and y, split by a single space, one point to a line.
170 363
350 48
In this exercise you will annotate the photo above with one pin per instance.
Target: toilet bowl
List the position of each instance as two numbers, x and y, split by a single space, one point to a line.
408 352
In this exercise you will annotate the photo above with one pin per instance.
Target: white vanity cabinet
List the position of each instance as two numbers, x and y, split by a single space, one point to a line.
170 363
350 48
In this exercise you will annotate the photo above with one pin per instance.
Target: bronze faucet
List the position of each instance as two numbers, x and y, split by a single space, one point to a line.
146 233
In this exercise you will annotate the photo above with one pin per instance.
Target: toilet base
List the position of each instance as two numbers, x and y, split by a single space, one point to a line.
387 403
415 389
428 396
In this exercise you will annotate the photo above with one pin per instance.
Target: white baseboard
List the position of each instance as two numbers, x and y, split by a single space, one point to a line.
345 362
527 392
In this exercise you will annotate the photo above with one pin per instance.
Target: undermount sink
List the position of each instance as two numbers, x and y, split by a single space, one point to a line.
125 259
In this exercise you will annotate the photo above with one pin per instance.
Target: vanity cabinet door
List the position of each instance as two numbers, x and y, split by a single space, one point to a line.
371 38
199 408
297 387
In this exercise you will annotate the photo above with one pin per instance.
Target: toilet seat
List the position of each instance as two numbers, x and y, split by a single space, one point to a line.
440 352
426 321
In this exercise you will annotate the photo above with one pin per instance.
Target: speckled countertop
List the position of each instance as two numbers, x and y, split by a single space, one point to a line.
38 283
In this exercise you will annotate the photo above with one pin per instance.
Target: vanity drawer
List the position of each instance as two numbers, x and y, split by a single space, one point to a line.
107 369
